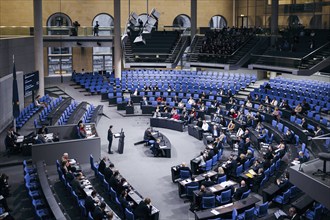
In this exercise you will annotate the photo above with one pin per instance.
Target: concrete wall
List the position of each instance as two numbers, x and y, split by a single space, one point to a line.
22 48
6 88
315 76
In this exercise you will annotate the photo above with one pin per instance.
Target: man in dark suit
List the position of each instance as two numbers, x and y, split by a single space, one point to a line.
215 131
110 138
239 191
215 118
202 193
183 166
76 186
102 165
156 149
108 172
207 182
99 212
258 178
143 210
90 202
123 201
114 182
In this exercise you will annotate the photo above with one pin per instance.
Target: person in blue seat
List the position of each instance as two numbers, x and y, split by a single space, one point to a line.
143 210
239 191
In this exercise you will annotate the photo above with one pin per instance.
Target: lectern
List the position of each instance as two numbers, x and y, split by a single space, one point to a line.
121 137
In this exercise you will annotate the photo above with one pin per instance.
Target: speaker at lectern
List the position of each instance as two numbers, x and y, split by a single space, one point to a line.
121 137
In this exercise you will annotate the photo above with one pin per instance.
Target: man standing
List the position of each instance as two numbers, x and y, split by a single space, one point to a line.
110 136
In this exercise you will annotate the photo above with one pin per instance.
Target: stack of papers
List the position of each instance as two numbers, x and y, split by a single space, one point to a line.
252 172
215 212
161 147
19 139
212 189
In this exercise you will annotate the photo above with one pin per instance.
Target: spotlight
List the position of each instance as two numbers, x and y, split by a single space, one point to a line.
98 43
79 44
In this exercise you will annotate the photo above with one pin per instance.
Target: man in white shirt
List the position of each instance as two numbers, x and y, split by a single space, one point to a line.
205 126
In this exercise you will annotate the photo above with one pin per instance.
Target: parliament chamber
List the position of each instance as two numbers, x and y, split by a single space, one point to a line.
144 109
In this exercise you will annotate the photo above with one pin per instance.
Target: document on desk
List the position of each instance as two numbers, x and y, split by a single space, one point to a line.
229 204
19 139
91 136
215 212
163 146
212 189
117 135
252 172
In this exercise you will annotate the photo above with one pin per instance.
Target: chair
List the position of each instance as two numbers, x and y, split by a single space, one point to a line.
283 199
225 197
190 191
239 170
261 210
93 166
184 174
246 165
90 217
234 215
113 194
272 169
214 160
82 208
247 214
246 194
208 165
316 214
222 179
208 202
100 176
129 215
294 191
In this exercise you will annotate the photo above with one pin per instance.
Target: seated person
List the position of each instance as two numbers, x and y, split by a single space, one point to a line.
231 126
248 104
176 116
135 93
205 126
156 151
108 172
43 130
289 137
249 155
99 212
183 166
143 210
10 143
318 131
159 99
102 165
77 187
82 131
274 102
302 157
262 137
123 200
276 113
258 178
37 102
239 191
130 102
180 104
91 201
191 101
241 159
298 109
203 192
157 114
282 182
144 100
215 131
240 132
114 182
256 166
259 128
146 137
207 182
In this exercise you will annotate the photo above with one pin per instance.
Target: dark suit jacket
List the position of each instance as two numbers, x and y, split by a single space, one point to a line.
113 182
239 192
89 204
124 203
102 166
107 174
110 135
98 213
207 183
142 211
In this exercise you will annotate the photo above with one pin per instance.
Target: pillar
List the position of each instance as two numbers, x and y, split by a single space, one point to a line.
193 17
234 14
117 38
274 21
38 44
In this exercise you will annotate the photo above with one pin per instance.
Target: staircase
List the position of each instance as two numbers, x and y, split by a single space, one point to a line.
316 57
243 51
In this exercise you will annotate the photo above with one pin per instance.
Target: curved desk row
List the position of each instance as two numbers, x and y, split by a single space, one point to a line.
98 111
165 144
56 113
172 124
54 205
78 113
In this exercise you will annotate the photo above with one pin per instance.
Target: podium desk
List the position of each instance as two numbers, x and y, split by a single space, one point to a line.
129 110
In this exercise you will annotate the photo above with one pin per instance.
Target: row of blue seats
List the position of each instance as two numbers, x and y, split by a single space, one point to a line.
302 83
32 185
45 112
309 96
67 113
88 114
29 111
292 103
113 194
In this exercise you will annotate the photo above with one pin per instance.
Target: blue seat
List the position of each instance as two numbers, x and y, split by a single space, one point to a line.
184 174
247 214
239 170
234 214
316 214
283 199
90 217
208 165
261 210
190 191
246 165
214 160
113 194
93 166
225 197
129 215
222 179
208 202
246 194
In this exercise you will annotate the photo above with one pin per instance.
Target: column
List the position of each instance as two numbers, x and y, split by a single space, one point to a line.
234 14
193 15
274 21
38 44
117 39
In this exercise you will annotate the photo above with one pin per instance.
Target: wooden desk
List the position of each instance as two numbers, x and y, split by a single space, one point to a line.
226 210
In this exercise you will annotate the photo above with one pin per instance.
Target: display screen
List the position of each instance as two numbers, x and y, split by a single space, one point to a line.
31 82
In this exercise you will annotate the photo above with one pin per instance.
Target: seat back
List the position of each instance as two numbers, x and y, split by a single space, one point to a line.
226 196
286 196
246 194
184 174
222 179
208 202
263 210
249 214
239 170
129 215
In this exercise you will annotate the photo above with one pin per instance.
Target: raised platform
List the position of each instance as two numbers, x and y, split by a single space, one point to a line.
302 177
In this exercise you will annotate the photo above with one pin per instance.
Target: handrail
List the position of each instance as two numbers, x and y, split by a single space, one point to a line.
183 46
176 45
241 46
317 49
